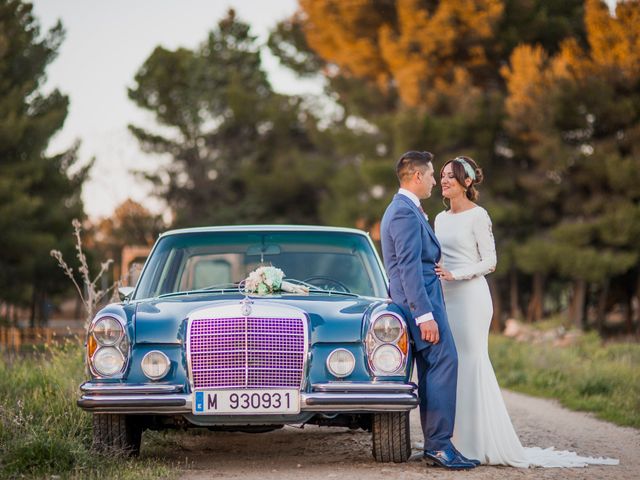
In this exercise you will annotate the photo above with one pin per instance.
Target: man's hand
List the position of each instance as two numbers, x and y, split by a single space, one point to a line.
429 331
443 274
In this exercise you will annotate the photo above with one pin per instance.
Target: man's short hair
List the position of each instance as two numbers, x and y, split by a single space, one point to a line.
410 162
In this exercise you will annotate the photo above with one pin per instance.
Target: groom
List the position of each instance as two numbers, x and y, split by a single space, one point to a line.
410 251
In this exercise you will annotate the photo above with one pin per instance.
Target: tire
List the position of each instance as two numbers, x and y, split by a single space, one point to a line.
116 434
391 437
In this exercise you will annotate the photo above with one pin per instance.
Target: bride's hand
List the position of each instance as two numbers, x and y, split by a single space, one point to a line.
443 274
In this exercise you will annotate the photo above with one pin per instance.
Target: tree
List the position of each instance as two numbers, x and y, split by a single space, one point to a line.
239 151
411 74
573 118
38 195
131 224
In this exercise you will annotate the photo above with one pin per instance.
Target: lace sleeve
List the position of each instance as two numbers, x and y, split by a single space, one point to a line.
486 248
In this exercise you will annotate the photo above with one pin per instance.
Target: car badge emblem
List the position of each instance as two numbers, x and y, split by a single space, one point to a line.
245 307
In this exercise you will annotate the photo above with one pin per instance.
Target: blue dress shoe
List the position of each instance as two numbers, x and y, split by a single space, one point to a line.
477 463
448 458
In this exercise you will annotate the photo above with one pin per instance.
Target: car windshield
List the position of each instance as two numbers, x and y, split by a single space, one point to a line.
338 261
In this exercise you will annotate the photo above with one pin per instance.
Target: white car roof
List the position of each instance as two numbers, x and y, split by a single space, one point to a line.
262 228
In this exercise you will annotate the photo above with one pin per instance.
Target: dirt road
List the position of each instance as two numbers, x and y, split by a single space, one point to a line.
337 453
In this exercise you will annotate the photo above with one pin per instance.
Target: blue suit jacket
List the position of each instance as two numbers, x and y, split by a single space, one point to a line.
410 251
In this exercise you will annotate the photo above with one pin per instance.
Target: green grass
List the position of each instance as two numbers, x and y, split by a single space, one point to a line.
588 376
44 433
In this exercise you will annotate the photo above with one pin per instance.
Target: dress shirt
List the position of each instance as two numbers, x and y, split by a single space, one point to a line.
416 201
414 198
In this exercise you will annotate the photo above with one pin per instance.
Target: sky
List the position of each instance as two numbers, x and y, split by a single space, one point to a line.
106 43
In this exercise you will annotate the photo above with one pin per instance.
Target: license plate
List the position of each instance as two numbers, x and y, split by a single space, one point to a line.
243 402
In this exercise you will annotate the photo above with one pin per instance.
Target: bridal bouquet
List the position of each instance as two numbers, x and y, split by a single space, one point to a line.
267 280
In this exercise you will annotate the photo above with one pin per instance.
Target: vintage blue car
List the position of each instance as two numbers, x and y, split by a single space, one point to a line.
190 348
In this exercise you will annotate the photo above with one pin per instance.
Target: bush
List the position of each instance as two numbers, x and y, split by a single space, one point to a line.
589 376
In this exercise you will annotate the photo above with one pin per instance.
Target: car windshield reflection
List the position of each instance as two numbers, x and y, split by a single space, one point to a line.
327 262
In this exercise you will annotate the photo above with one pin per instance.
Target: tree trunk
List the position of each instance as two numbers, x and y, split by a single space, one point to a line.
602 306
534 309
578 299
496 320
514 303
45 310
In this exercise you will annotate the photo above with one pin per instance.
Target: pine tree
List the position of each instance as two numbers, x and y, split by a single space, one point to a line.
239 151
38 196
574 119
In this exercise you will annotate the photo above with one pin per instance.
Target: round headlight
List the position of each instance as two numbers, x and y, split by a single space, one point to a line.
107 331
341 362
387 358
155 365
387 328
108 361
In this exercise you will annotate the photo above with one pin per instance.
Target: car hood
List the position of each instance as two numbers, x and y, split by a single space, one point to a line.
332 318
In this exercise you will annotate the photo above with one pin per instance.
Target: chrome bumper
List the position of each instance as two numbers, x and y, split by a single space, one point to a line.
340 397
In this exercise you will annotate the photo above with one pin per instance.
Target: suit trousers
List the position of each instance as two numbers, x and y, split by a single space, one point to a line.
437 369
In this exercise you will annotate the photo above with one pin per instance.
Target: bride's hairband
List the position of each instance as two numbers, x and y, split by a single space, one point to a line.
467 168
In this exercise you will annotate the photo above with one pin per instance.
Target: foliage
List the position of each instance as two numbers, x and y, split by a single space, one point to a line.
44 433
571 119
131 224
239 151
419 75
589 376
39 193
543 94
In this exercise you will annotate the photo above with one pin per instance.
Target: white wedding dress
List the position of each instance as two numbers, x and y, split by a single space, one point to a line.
483 429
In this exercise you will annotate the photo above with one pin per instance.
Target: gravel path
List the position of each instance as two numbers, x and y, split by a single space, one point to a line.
327 453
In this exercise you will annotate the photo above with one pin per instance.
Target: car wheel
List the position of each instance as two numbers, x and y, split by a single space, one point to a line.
391 437
117 434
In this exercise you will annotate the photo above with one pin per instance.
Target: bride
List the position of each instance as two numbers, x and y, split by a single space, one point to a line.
483 429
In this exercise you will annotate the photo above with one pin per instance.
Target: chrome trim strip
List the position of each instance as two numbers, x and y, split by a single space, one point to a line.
120 389
180 404
364 387
263 228
358 402
176 404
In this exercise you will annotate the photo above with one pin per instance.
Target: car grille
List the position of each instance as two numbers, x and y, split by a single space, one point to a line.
247 352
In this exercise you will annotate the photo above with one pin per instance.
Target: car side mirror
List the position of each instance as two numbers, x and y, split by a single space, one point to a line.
125 292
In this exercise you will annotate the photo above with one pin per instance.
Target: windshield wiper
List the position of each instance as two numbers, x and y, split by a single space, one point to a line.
233 288
218 286
221 288
332 292
314 289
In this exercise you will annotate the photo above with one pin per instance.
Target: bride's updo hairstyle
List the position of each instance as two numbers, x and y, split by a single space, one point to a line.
465 167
